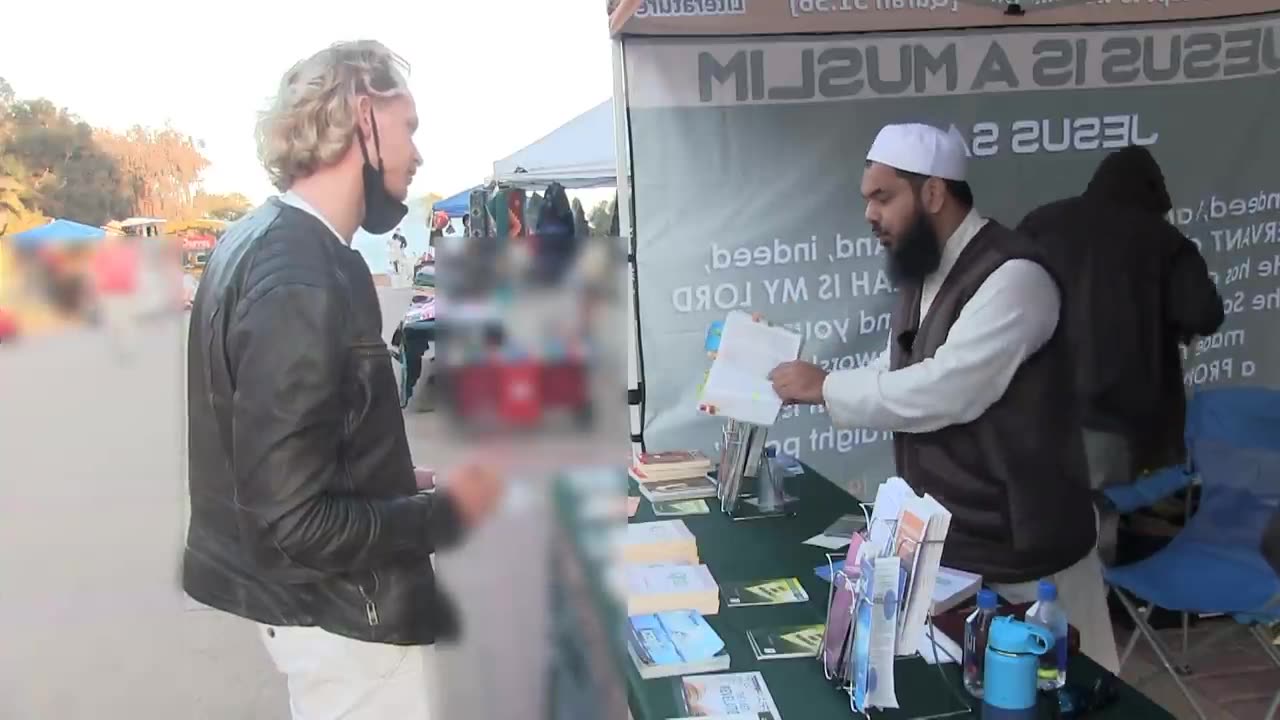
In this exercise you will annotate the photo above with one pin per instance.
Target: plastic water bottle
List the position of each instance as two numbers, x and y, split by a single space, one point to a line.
1049 615
976 628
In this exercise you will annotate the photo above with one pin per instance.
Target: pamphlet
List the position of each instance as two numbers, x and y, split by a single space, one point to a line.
840 532
922 530
728 694
687 489
781 591
875 633
891 496
738 385
789 641
674 508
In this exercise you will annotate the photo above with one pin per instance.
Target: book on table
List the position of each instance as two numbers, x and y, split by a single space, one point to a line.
660 541
780 591
672 508
693 488
649 468
786 641
661 588
678 642
740 696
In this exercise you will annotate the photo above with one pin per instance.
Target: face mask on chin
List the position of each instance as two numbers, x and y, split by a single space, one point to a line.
382 212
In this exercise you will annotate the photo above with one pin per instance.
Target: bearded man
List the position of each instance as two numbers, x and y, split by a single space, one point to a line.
976 383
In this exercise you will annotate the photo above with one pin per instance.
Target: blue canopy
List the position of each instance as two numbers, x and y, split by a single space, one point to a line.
455 206
58 232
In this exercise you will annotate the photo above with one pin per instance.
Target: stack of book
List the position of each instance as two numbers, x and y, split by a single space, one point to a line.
659 542
668 592
675 475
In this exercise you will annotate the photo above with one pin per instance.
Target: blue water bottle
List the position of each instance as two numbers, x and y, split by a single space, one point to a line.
1013 655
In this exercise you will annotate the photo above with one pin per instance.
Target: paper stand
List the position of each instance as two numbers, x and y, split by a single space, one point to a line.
742 467
837 575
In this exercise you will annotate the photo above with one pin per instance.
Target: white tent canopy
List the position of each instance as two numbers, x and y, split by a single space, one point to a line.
578 154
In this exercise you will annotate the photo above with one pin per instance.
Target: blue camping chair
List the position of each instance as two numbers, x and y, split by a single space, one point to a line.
1215 564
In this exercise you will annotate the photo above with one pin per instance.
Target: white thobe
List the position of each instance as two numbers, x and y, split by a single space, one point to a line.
1011 316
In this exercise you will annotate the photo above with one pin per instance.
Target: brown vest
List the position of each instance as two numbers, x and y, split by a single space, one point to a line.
1015 479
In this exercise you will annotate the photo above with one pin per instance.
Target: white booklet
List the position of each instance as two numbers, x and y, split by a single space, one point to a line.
738 385
921 531
729 695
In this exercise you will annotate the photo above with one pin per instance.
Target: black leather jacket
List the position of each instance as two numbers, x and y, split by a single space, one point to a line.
304 507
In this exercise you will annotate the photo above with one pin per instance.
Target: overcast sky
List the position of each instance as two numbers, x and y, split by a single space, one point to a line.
490 76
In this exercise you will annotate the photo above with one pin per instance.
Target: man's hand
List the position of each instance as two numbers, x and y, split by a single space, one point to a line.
476 490
425 477
799 382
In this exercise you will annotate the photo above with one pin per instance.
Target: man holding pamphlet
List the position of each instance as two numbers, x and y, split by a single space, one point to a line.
976 383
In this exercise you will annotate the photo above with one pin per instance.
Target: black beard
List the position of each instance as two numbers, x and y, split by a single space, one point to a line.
917 254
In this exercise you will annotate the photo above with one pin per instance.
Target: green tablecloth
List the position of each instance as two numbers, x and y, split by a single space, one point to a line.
771 548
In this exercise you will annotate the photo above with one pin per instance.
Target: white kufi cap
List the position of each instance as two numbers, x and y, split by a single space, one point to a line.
921 149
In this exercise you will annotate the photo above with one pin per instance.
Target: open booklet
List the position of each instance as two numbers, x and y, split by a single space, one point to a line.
738 385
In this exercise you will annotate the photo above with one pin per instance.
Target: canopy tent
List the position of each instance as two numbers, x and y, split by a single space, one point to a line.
739 18
455 205
781 101
579 154
58 232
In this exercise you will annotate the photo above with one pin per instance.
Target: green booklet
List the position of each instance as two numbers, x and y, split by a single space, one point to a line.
787 641
680 507
781 591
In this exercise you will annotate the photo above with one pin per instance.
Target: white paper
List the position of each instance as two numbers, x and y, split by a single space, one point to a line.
738 385
890 499
829 542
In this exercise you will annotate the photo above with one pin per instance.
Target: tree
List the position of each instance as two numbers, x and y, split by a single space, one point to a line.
429 201
227 208
59 168
161 169
601 217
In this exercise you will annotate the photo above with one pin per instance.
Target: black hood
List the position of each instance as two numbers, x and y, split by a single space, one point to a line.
1132 178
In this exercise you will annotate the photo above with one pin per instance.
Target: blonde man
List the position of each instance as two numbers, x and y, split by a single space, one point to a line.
307 514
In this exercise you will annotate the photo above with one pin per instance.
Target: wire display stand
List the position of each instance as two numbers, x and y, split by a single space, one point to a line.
844 677
741 472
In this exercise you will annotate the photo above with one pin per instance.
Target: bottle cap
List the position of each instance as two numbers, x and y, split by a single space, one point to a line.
1047 590
770 452
987 599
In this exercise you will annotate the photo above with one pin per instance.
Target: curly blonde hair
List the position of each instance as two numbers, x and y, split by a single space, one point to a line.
311 121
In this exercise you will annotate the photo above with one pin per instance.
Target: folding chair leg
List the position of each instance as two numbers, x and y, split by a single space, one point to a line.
1140 625
1133 639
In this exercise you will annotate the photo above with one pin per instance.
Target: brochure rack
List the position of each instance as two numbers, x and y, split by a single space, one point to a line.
962 702
742 470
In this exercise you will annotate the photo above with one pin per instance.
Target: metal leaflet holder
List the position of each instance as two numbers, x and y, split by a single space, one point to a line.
748 486
743 466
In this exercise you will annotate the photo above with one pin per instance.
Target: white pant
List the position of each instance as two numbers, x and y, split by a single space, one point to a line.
332 677
1083 595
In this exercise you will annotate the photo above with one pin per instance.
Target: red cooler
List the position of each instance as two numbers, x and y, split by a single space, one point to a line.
520 397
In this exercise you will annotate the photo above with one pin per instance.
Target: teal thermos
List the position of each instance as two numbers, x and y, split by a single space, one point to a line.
1012 661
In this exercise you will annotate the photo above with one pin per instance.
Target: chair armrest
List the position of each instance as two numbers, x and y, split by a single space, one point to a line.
1149 490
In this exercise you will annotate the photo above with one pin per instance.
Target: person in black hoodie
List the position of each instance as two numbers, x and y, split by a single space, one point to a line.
1135 288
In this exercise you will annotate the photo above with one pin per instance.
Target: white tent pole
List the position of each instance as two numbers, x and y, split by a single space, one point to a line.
622 141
